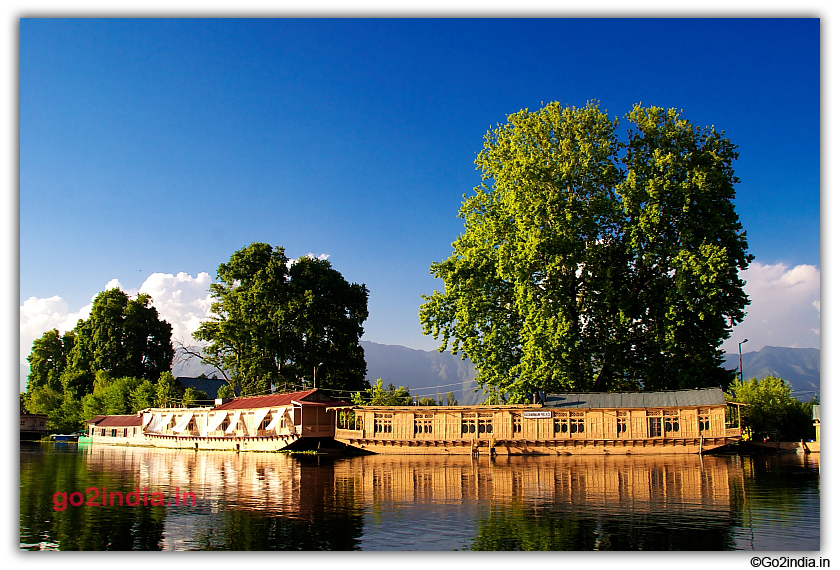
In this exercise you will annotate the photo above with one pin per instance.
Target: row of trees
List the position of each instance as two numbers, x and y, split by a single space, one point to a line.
590 263
113 362
379 395
275 322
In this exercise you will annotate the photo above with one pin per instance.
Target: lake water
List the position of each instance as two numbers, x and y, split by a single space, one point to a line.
268 501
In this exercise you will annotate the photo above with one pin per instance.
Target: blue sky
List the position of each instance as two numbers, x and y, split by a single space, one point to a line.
163 146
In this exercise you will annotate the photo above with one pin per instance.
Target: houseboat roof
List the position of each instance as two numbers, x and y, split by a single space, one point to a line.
669 399
116 421
309 397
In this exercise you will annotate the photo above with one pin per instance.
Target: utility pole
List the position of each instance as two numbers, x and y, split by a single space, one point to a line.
740 360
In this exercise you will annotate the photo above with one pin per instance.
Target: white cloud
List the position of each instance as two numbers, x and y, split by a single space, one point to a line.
37 316
310 255
785 308
182 300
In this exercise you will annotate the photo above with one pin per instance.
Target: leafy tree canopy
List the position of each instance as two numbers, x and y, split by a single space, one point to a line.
48 359
279 322
772 411
124 337
588 263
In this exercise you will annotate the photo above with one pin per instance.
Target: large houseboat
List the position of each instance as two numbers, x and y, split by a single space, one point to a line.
258 423
682 421
676 422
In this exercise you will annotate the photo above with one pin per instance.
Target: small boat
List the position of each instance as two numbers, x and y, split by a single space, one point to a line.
64 438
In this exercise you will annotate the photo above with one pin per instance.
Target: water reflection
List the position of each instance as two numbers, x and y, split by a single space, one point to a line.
256 501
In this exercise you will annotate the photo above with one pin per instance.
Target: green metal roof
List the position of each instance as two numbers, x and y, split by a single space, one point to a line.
670 399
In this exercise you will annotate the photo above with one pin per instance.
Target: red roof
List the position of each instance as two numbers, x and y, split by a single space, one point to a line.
309 397
117 421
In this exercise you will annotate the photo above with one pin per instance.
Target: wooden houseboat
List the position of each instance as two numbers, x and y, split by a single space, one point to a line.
257 423
682 421
122 430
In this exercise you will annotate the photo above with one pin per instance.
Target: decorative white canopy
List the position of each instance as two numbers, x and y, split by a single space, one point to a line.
274 421
259 416
233 422
216 421
182 425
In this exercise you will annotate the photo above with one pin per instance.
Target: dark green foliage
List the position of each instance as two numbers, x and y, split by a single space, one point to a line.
274 324
593 264
326 315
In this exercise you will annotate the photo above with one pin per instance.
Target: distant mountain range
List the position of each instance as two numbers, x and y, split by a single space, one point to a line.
426 372
799 366
432 373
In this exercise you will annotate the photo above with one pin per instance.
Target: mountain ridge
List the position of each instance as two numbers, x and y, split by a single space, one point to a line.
433 373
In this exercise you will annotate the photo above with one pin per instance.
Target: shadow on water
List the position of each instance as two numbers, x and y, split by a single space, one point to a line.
264 501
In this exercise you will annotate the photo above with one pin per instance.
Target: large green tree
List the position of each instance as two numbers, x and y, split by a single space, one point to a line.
326 314
124 337
593 263
276 322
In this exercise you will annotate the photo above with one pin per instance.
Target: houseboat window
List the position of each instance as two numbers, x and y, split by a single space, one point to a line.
576 425
561 426
485 426
672 422
654 427
382 426
467 426
113 433
704 423
265 422
733 418
225 424
125 432
517 423
191 425
422 426
621 425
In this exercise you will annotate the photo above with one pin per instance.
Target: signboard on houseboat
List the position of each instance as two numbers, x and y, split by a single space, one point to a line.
536 414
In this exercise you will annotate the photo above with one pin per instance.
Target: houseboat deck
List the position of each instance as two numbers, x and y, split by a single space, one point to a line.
684 421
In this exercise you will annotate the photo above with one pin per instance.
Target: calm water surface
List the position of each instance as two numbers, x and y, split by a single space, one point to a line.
262 501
